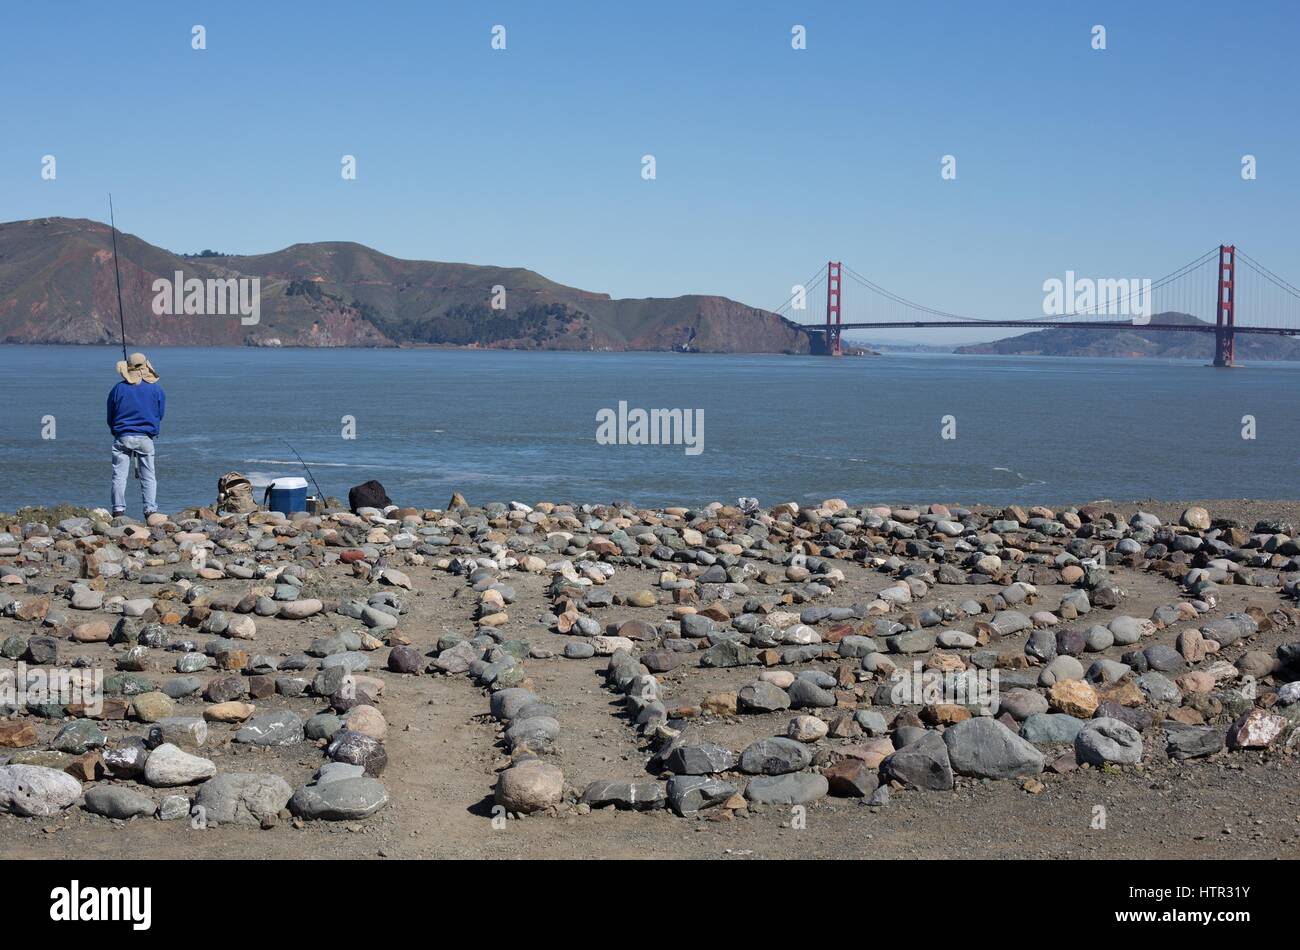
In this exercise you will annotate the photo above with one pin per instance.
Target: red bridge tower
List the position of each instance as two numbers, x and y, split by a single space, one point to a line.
1226 313
833 318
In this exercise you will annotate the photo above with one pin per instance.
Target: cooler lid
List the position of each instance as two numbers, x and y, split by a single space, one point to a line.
289 483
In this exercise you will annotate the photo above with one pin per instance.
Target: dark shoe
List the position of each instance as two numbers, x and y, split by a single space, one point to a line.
119 512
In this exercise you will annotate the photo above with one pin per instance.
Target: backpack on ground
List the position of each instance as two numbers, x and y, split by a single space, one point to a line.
369 494
235 495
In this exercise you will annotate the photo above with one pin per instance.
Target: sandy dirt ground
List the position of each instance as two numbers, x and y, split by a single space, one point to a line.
444 753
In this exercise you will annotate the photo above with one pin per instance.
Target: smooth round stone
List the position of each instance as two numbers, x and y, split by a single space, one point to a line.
1098 638
774 756
506 703
345 799
351 660
529 786
1106 670
537 732
1048 728
578 650
762 697
806 729
1061 668
336 771
404 659
1022 703
150 707
297 609
818 677
1070 642
118 801
179 686
366 720
168 766
322 726
1164 658
804 693
956 639
797 788
1128 630
233 711
35 791
185 731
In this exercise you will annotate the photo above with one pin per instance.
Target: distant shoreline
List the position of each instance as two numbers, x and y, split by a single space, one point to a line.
453 348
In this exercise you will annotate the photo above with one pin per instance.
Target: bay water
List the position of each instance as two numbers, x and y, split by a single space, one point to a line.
507 425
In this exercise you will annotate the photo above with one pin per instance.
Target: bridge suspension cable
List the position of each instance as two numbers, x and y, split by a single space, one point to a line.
1125 302
801 293
1205 295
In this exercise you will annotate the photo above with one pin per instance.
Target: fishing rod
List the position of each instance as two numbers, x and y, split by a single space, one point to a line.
319 492
121 317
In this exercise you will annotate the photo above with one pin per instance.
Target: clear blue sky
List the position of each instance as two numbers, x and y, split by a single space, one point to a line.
1122 162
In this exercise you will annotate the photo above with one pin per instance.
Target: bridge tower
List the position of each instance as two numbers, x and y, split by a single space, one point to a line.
833 318
1226 311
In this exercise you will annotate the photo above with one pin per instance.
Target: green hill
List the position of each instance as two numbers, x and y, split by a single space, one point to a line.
57 286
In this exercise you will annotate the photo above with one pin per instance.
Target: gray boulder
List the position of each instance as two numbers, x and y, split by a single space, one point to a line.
342 800
637 796
922 764
272 729
246 798
797 788
1192 742
118 801
985 748
688 794
1048 728
1102 741
762 697
703 758
775 756
36 791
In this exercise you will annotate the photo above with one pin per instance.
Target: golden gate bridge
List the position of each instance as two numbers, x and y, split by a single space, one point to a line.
1208 289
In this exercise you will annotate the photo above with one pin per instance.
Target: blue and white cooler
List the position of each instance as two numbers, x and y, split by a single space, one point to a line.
287 495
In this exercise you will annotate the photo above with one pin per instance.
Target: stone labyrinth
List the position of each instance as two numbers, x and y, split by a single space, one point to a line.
232 669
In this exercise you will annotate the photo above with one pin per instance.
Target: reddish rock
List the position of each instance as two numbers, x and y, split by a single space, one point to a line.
34 608
1255 729
17 734
851 778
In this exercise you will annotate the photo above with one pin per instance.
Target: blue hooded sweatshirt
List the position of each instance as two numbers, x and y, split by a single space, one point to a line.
136 409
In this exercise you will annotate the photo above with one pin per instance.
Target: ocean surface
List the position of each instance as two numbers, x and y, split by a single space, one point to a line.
501 426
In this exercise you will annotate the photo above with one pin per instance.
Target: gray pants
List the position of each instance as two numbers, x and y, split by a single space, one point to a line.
139 448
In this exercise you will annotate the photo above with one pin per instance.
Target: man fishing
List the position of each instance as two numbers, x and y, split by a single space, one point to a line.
135 413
